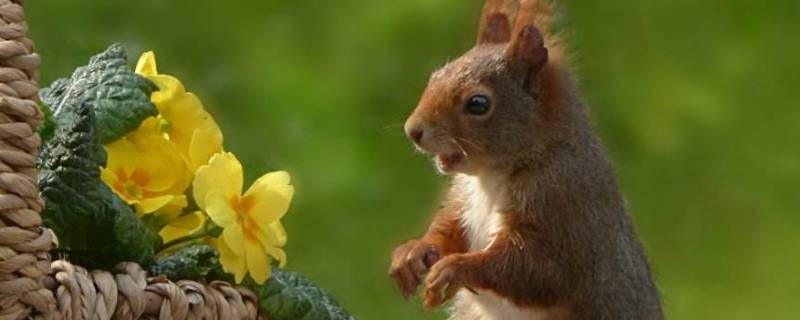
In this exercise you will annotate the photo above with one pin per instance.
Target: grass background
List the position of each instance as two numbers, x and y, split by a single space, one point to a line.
697 102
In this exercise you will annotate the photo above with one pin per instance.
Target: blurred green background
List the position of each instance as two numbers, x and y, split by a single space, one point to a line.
697 102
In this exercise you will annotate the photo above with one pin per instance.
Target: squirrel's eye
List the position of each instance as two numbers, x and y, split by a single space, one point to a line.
478 105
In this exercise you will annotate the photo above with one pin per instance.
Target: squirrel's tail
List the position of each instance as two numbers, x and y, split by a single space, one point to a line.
539 13
542 14
520 13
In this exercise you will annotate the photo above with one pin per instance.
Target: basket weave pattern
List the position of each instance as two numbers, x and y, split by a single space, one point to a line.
31 287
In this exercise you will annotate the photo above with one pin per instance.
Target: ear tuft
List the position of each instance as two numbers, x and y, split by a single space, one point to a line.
496 29
496 21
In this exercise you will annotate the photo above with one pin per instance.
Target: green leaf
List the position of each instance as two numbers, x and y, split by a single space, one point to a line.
155 222
95 228
290 296
134 241
48 127
194 262
69 165
119 97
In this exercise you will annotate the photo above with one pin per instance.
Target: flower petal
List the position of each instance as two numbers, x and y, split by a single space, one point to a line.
277 230
277 178
112 180
182 226
205 143
146 65
222 174
257 262
218 208
149 161
234 238
150 205
108 176
272 195
148 127
174 208
190 221
121 155
185 113
161 160
269 204
169 89
169 233
231 262
272 240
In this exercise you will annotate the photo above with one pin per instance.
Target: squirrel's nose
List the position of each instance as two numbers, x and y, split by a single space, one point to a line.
415 134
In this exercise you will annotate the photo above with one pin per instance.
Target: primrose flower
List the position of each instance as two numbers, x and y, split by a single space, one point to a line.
147 172
182 117
183 225
252 231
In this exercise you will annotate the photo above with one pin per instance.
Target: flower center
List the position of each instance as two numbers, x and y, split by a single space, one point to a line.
133 190
243 207
131 186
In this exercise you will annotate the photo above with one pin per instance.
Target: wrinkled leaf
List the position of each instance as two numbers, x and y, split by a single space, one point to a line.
95 228
194 262
119 97
290 296
134 241
69 165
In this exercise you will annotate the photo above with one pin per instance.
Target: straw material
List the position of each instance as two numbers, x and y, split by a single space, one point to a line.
24 245
125 293
30 286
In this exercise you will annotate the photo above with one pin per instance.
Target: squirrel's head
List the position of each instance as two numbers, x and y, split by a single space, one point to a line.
490 106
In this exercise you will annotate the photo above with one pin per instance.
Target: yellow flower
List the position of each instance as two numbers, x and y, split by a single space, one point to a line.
252 231
146 171
181 116
182 225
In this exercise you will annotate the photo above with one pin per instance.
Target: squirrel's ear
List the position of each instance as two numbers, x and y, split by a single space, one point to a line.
496 21
526 52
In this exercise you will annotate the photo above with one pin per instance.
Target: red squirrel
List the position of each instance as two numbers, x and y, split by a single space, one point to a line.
534 226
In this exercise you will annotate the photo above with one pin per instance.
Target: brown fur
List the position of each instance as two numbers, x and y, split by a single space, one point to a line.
565 244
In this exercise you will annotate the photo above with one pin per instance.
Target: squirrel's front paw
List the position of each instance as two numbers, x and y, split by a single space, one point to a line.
410 262
445 279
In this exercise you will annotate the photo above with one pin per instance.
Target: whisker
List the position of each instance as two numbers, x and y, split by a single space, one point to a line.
472 144
460 147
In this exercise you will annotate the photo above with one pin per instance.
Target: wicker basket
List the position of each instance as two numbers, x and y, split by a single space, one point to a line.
31 286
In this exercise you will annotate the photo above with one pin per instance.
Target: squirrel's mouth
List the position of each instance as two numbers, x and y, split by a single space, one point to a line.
446 163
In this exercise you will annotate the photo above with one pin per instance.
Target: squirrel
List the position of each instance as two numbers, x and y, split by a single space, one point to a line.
533 226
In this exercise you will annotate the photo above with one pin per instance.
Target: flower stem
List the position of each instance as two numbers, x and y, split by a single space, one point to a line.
195 236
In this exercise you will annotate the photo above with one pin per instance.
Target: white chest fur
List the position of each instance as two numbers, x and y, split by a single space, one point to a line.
480 217
482 220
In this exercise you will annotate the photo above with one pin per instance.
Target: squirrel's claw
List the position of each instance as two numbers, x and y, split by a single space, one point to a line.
410 262
443 282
